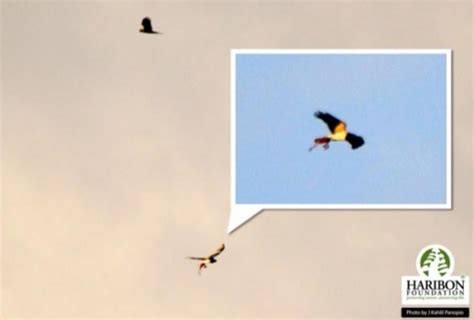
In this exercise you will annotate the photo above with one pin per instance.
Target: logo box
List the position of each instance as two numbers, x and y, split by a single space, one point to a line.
435 284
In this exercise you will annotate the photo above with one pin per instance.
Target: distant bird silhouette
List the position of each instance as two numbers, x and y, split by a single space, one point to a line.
338 132
209 259
147 28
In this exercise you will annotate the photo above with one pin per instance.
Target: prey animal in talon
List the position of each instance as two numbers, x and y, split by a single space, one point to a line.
324 141
339 132
204 261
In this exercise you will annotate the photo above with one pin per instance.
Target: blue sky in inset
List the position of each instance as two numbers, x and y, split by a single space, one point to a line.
397 102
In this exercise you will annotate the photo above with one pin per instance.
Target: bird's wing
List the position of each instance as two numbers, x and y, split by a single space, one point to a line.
146 23
218 251
333 123
198 258
354 140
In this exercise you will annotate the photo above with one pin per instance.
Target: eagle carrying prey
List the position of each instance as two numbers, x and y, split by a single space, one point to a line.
209 259
338 132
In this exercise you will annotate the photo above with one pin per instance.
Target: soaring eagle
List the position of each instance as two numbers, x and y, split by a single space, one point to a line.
209 259
338 130
146 26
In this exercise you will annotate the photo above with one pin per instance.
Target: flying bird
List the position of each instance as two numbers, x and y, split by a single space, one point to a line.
146 26
338 130
204 261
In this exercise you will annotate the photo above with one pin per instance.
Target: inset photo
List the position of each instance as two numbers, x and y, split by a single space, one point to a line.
342 129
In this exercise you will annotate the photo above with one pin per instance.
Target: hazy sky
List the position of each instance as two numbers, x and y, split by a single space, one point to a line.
116 162
396 102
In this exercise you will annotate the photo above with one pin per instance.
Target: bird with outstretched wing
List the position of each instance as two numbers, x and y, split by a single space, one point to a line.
338 130
204 261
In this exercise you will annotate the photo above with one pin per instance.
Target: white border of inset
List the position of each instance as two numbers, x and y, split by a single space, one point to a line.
243 212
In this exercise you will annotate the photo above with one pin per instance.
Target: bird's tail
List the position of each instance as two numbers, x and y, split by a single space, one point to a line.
354 140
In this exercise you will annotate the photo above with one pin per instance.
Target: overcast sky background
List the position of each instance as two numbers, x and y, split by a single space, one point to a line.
397 102
116 160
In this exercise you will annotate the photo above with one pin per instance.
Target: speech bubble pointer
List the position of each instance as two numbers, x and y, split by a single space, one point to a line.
241 214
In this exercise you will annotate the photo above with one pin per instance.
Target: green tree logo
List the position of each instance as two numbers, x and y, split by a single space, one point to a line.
435 261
